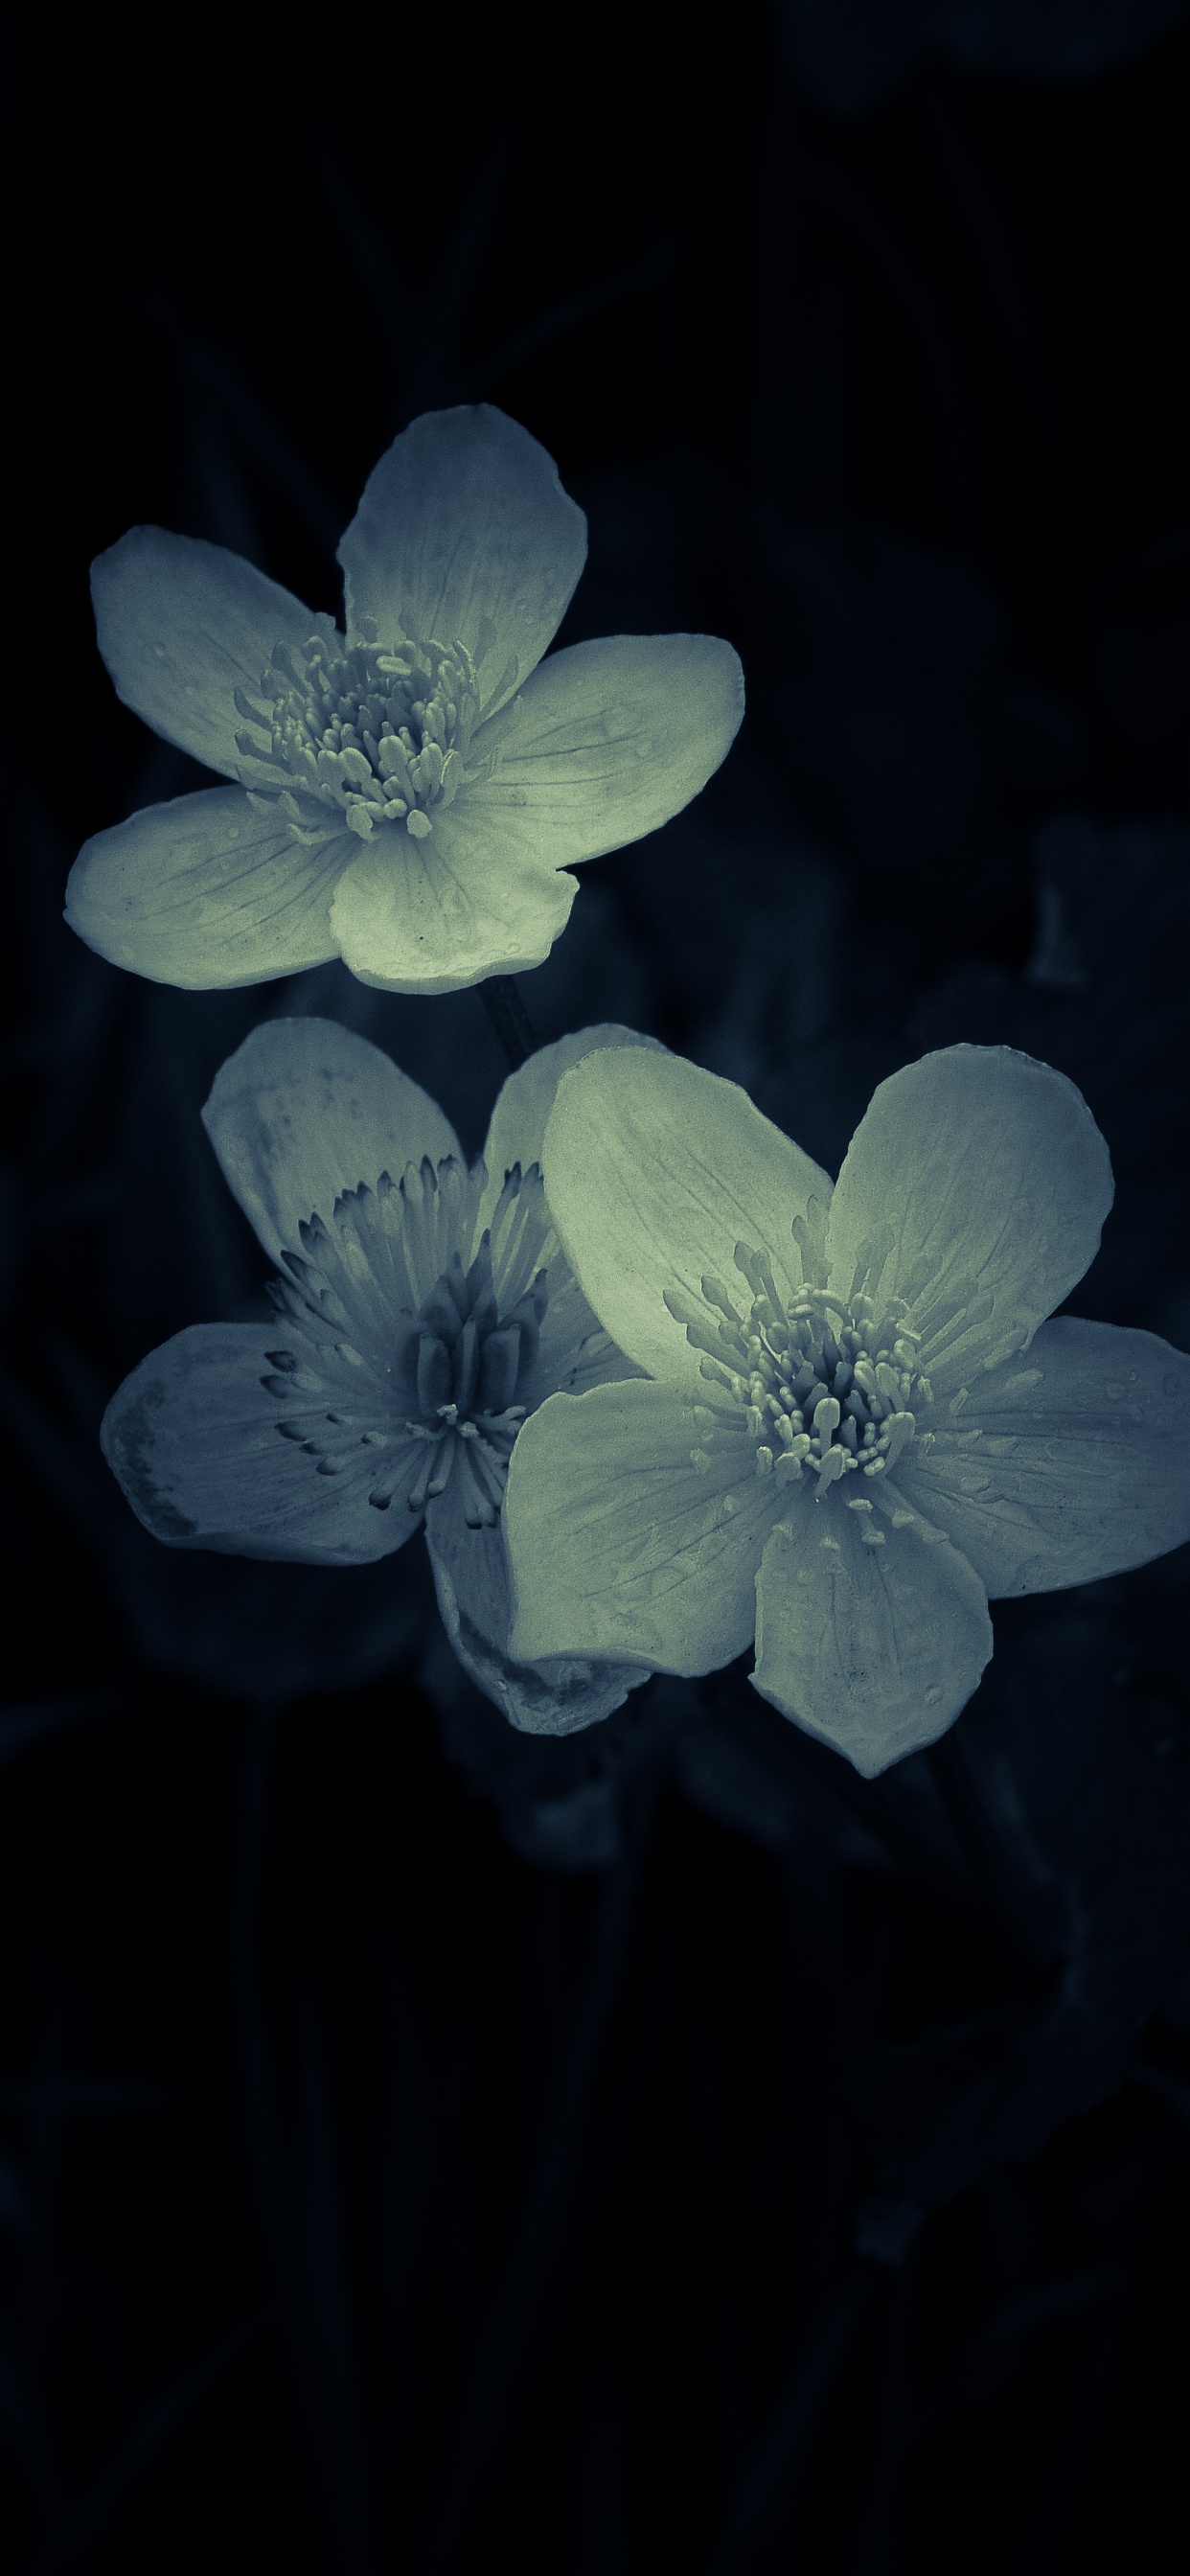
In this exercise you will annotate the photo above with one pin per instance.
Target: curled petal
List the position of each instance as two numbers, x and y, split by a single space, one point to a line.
608 739
304 1110
635 1522
870 1636
193 1438
207 891
982 1181
654 1171
436 915
557 1697
182 625
1065 1465
464 531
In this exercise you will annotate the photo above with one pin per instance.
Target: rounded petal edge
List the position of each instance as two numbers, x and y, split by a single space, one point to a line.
516 1128
873 1639
975 1187
464 531
306 1109
439 915
206 893
182 624
1063 1466
635 1522
654 1171
610 739
192 1437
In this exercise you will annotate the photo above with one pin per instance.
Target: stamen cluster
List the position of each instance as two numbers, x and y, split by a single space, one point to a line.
830 1385
414 1345
469 1362
381 735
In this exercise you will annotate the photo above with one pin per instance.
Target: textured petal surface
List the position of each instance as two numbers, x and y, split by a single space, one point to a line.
608 739
304 1110
875 1648
557 1697
182 625
622 1545
436 915
464 531
207 891
574 1352
1066 1466
516 1129
192 1436
984 1178
654 1171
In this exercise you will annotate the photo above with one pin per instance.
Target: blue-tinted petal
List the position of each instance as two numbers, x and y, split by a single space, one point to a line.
193 1437
654 1171
982 1178
1068 1464
304 1110
182 625
436 915
870 1636
516 1129
574 1353
635 1523
209 890
607 740
464 531
557 1697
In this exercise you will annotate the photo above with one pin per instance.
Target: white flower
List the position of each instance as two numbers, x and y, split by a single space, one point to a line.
423 1311
857 1424
410 793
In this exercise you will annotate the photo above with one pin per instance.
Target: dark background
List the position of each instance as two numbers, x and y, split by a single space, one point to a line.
422 2147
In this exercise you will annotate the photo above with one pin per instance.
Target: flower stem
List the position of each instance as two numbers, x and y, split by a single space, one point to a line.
501 997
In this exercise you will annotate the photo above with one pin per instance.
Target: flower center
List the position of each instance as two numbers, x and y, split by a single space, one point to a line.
380 734
409 1351
469 1362
830 1385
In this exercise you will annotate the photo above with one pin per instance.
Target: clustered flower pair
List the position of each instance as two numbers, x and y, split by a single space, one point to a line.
655 1386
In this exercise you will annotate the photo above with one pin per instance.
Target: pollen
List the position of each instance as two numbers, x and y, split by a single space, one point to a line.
381 735
830 1387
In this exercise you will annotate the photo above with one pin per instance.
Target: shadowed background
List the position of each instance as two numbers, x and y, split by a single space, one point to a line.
422 2147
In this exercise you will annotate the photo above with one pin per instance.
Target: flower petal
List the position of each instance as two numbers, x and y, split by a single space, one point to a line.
1069 1468
984 1178
433 916
208 890
874 1648
654 1171
516 1129
182 625
607 740
574 1353
556 1697
464 531
304 1110
193 1438
621 1544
